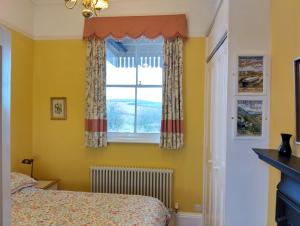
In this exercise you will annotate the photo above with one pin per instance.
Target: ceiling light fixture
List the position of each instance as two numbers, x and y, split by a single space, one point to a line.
91 7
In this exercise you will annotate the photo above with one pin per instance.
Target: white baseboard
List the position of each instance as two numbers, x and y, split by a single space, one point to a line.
186 219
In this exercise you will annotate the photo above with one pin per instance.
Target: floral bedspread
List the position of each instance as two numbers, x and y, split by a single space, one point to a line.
32 206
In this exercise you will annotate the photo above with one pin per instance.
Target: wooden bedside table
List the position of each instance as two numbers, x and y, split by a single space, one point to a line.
47 184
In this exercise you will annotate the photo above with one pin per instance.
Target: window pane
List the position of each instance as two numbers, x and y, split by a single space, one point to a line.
150 62
149 106
120 109
124 57
150 75
120 63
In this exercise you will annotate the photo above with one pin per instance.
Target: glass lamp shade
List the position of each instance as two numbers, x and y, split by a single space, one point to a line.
101 4
27 161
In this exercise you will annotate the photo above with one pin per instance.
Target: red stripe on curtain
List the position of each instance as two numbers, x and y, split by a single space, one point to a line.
172 126
96 125
168 26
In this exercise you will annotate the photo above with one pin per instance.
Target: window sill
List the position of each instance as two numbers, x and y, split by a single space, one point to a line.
141 138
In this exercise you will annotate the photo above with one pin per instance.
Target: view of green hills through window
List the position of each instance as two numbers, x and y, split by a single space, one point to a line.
121 116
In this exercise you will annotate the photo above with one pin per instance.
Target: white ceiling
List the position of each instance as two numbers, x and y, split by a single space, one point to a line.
49 19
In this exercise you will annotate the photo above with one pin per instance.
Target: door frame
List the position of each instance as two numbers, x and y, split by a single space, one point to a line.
5 112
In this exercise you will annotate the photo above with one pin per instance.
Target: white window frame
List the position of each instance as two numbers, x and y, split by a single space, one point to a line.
119 137
139 138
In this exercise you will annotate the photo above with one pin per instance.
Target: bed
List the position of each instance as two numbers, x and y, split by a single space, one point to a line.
32 206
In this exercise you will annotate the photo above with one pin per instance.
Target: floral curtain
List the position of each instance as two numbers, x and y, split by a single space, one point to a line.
95 109
171 136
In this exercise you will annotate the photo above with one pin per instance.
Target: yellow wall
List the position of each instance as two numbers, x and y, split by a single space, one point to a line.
285 47
21 102
59 68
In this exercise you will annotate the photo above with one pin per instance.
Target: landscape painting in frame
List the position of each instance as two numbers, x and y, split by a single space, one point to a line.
251 74
249 118
58 108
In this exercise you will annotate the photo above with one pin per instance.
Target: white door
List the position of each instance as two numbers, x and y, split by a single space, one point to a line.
215 148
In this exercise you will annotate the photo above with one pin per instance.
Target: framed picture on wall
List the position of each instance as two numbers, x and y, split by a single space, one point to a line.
58 108
251 73
249 117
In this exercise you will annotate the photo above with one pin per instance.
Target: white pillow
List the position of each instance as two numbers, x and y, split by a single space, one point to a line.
19 181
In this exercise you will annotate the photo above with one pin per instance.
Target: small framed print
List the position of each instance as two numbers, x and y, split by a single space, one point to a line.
249 118
58 106
251 76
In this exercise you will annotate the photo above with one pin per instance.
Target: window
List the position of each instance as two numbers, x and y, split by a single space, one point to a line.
134 89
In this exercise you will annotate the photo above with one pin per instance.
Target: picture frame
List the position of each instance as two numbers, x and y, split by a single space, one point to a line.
249 117
251 74
58 108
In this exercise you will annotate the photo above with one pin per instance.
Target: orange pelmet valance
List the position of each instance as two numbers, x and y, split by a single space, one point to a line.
168 26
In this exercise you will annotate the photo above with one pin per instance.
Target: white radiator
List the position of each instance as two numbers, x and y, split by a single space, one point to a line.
156 183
